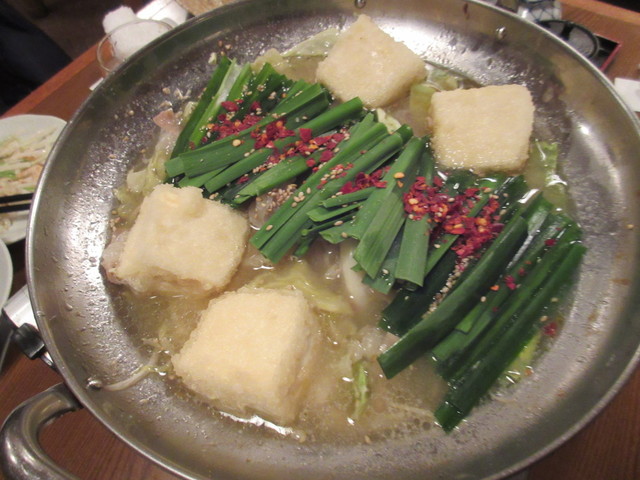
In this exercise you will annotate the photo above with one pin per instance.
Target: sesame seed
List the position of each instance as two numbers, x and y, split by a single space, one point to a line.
398 175
344 235
630 226
237 142
269 227
338 223
294 204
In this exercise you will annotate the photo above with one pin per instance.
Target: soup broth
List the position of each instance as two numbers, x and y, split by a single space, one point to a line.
349 399
350 341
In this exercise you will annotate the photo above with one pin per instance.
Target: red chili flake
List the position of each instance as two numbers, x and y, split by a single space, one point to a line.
325 156
243 179
273 131
550 329
304 146
457 229
306 134
495 288
522 272
550 242
320 141
225 125
423 199
475 232
510 282
230 106
364 180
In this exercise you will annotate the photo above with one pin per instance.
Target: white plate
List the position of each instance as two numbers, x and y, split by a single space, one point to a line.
6 273
24 126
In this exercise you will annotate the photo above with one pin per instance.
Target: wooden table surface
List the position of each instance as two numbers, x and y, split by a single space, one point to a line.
608 448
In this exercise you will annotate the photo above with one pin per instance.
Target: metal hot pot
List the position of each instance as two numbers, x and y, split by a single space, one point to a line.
84 332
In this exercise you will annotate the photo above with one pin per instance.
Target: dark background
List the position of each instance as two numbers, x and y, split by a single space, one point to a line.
40 37
629 4
70 27
76 25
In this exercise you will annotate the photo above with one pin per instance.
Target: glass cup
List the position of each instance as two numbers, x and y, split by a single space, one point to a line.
125 40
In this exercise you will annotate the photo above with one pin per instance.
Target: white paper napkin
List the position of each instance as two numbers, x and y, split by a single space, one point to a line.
630 91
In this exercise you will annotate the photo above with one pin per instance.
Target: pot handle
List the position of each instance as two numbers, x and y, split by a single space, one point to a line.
21 455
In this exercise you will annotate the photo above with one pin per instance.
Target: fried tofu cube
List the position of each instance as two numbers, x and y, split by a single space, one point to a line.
252 352
182 243
366 62
482 129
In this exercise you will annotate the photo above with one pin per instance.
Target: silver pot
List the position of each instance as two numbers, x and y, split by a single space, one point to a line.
82 321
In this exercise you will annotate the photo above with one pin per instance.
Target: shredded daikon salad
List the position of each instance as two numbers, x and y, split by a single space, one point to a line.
21 162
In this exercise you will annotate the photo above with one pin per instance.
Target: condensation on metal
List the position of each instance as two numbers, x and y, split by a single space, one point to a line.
360 3
94 384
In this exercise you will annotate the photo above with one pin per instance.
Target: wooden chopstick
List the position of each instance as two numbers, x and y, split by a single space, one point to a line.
15 203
